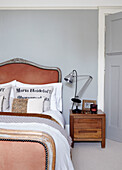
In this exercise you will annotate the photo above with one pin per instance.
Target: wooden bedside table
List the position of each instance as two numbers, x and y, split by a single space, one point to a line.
87 127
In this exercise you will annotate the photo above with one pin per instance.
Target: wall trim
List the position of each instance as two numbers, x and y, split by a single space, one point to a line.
49 8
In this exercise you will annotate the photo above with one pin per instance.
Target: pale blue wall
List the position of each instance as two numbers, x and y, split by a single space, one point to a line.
67 39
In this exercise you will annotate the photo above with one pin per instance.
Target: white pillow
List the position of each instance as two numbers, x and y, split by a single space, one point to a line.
35 105
1 103
56 97
35 92
5 92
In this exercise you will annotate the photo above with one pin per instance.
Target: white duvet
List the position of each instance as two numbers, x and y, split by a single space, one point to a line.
63 159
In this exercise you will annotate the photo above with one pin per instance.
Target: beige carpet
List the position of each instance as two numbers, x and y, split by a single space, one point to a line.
90 156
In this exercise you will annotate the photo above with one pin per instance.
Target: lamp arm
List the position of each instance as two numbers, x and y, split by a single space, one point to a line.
76 82
75 85
80 93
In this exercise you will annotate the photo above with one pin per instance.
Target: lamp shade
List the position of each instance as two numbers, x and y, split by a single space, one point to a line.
69 77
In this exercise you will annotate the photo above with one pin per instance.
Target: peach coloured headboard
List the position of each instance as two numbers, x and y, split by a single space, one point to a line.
28 72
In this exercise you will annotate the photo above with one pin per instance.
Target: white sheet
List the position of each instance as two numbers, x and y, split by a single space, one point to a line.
63 160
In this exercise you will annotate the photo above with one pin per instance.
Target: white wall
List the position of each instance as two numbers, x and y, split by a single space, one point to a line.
63 38
59 3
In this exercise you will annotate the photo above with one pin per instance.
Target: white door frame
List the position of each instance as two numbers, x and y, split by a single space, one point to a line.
103 11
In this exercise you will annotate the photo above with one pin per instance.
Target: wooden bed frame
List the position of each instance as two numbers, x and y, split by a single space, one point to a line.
29 73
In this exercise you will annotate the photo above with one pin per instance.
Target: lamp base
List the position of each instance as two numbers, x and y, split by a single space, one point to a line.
76 111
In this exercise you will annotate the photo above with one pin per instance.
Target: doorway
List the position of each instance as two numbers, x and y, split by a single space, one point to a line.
113 77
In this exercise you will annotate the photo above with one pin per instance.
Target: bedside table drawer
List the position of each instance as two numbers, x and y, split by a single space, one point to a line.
88 127
87 123
87 133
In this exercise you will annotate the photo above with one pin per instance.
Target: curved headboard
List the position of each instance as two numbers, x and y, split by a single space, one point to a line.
28 72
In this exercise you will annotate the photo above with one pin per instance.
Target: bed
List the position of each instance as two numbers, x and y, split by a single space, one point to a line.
32 135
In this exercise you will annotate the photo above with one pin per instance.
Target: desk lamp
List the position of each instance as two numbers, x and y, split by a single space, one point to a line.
69 78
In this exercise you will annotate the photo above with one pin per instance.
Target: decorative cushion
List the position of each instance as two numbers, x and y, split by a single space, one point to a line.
35 105
19 105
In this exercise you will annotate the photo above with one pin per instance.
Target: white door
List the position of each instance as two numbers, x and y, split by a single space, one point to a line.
113 77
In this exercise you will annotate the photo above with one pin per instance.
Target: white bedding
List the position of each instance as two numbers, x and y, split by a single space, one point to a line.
56 115
63 160
53 113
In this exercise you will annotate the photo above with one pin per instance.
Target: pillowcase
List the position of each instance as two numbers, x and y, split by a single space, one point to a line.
56 97
5 92
1 103
27 105
34 92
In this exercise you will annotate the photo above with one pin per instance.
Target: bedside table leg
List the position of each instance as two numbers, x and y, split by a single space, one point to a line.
72 130
103 131
72 145
103 144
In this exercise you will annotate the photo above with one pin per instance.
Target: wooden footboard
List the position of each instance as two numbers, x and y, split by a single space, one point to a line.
26 150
